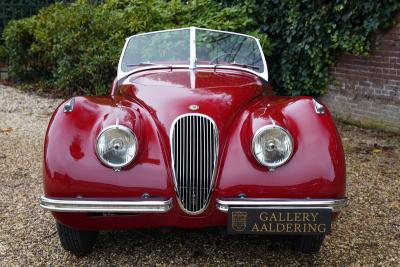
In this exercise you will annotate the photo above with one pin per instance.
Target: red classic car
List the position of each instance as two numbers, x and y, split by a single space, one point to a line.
191 136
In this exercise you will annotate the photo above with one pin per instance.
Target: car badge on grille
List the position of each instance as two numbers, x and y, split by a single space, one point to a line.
194 107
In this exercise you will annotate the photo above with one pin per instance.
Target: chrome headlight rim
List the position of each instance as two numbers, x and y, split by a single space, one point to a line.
260 131
125 129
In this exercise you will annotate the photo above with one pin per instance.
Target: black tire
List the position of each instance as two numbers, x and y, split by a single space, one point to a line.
76 241
309 243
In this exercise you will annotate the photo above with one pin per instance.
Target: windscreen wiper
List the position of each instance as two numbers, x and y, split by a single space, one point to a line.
245 66
238 65
140 64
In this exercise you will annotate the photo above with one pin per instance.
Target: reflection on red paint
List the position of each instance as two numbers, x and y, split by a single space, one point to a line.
75 148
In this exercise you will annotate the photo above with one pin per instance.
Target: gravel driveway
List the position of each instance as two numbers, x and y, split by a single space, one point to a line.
367 233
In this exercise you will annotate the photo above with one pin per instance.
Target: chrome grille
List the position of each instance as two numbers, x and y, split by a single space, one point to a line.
194 143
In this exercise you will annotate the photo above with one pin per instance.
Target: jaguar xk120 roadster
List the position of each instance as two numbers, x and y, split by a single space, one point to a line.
192 136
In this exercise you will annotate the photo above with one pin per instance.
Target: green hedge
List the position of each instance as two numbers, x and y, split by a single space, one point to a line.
307 35
75 48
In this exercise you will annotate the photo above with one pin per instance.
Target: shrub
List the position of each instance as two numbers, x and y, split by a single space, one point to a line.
76 47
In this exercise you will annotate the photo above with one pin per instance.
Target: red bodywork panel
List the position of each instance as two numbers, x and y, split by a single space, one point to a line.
148 102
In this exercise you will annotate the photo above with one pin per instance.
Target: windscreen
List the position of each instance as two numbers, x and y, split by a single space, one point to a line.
213 47
157 48
172 47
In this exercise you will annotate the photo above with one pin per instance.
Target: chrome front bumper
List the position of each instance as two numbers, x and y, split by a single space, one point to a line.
139 205
159 205
335 204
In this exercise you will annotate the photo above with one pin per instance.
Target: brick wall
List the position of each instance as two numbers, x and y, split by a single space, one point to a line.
366 89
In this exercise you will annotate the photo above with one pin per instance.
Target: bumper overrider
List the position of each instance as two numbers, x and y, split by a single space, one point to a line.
162 205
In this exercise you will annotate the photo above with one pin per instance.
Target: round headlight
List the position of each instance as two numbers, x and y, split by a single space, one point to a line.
116 146
272 146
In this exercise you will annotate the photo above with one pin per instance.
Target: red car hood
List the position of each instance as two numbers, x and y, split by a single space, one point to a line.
167 94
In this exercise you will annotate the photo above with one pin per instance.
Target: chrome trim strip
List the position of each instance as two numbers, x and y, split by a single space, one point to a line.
192 63
335 204
148 205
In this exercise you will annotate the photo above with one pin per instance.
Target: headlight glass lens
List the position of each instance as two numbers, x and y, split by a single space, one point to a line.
116 146
272 146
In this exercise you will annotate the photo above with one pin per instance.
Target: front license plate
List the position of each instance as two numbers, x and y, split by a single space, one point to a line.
281 221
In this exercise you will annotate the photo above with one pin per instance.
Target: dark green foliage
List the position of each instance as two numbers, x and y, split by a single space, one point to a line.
306 36
76 47
15 9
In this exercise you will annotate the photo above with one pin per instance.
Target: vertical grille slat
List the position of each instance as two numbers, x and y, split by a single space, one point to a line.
194 143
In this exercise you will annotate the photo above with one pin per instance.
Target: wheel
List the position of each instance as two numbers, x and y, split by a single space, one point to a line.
309 243
76 241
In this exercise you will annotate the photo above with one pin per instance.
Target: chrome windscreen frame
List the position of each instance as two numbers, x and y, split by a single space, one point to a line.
122 75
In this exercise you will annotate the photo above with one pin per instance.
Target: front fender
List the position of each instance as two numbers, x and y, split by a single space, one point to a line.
316 168
71 167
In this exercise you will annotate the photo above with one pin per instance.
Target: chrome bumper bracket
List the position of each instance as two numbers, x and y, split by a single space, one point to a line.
335 204
137 205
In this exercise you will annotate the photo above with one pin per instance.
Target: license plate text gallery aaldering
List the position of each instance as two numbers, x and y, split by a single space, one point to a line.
281 221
